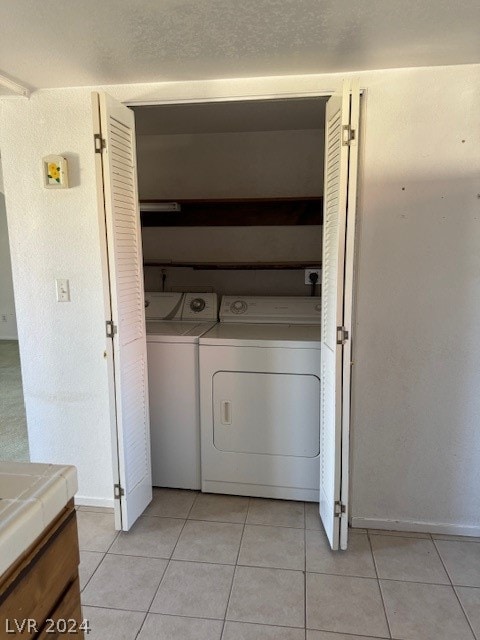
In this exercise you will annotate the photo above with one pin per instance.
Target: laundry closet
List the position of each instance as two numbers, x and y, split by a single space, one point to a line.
220 353
231 209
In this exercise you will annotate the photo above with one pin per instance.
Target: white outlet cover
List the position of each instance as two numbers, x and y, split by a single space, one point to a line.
307 275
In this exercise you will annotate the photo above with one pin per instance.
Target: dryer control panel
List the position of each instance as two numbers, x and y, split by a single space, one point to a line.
271 309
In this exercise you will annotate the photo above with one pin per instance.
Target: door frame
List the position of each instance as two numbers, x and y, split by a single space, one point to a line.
354 255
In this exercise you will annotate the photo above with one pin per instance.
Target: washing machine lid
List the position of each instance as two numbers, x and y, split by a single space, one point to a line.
293 336
163 305
176 331
271 309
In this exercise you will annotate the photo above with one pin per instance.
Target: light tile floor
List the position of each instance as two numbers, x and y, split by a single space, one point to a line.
213 567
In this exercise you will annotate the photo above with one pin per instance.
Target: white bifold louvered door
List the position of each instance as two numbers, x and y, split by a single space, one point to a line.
341 154
114 126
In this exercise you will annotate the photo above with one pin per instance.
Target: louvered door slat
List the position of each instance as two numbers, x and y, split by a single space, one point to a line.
127 303
336 182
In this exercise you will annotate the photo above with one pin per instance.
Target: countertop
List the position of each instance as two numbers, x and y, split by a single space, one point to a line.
31 497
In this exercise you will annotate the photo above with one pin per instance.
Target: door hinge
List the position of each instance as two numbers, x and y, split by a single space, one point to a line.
340 509
348 134
99 142
118 492
342 335
111 328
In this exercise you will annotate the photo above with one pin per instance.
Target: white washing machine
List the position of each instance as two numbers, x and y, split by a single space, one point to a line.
260 398
175 322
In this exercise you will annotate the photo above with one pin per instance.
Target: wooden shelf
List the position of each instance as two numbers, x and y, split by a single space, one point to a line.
237 266
237 212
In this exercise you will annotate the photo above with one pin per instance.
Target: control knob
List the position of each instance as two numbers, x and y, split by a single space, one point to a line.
239 306
197 305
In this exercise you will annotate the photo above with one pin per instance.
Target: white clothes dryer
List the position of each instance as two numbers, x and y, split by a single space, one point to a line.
175 322
260 398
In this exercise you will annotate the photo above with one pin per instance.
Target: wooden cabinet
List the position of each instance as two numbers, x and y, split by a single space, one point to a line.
41 590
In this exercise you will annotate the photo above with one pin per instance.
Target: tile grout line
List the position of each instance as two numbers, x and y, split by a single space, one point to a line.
101 561
169 560
464 612
305 580
193 504
113 542
170 557
443 564
349 575
141 626
419 535
183 615
170 615
256 566
102 606
146 613
389 533
235 570
94 572
276 626
454 589
305 567
379 586
257 524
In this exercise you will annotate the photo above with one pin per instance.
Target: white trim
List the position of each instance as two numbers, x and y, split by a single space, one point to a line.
85 501
416 526
16 88
9 338
239 98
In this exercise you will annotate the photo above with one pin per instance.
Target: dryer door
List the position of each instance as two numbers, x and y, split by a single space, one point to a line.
267 413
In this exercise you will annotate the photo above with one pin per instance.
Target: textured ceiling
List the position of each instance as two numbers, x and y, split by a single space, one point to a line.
88 42
231 117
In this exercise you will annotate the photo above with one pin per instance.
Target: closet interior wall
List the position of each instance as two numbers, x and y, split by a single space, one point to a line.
186 156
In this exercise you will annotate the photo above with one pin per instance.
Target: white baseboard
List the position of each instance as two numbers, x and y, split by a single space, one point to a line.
85 501
419 527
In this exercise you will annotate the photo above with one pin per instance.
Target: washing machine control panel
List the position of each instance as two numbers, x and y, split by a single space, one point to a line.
271 309
238 306
200 306
163 305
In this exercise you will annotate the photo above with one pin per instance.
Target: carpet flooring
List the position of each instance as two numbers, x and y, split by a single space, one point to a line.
13 424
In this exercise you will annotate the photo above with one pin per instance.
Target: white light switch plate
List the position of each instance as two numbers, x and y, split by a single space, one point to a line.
63 290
